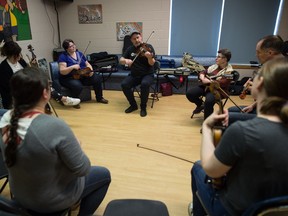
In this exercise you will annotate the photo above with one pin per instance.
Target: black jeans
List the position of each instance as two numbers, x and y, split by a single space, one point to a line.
194 94
130 82
76 86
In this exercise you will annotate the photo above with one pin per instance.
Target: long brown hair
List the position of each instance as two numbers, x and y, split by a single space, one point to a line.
275 75
27 87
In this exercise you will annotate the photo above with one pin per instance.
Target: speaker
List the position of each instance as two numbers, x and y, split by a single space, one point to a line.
56 53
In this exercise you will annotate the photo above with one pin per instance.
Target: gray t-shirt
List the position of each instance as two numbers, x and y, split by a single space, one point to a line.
49 172
257 150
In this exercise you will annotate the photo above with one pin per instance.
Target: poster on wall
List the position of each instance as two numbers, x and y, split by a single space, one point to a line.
14 20
126 28
90 14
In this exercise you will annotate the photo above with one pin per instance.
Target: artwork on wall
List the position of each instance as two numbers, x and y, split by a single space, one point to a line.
14 21
90 14
126 28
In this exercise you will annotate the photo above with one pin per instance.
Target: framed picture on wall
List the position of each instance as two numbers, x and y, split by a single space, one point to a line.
14 21
126 28
90 14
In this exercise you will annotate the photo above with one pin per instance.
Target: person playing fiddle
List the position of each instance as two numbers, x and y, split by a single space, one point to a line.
140 58
72 61
220 69
251 154
267 48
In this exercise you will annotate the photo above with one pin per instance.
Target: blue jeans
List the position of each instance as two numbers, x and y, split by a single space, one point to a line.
2 112
96 186
145 82
236 115
208 195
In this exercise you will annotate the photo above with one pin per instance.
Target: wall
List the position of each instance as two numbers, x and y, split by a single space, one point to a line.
283 25
153 13
44 35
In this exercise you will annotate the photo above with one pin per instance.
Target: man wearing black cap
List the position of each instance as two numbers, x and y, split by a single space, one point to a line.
140 59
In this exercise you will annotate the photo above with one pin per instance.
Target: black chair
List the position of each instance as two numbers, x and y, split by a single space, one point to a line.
277 206
85 95
11 208
154 96
235 78
136 207
3 173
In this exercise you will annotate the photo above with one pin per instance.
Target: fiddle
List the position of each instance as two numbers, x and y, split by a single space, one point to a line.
85 72
244 92
33 60
142 48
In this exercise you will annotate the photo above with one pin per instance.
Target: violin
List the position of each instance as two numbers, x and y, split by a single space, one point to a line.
33 60
34 63
244 92
142 48
85 72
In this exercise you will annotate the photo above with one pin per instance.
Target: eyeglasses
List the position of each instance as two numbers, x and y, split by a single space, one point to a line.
71 46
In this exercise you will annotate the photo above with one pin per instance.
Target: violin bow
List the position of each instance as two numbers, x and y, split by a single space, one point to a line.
138 145
84 51
145 42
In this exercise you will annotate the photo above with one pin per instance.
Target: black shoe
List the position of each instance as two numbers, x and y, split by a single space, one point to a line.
76 106
103 100
143 112
131 109
198 109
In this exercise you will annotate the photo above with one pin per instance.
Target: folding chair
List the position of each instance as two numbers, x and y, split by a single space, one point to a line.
136 207
154 95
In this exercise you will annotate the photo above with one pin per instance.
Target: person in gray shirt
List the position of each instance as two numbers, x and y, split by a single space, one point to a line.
48 171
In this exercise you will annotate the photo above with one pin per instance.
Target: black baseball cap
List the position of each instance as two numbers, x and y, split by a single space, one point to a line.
134 32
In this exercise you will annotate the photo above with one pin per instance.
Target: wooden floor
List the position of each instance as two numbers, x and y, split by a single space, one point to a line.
110 138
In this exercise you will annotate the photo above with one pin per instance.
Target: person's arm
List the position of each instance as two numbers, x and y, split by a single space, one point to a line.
250 108
69 150
203 78
64 70
212 166
125 61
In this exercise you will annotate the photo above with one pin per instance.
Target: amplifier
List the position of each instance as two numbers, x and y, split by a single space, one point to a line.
56 53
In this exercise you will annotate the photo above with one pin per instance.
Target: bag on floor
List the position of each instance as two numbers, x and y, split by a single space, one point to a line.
166 89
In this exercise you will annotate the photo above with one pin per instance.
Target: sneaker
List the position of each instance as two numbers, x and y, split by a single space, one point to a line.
143 112
190 209
131 109
71 101
198 109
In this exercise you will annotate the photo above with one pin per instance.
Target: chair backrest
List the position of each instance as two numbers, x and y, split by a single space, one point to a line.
54 73
275 206
157 66
236 76
11 208
139 207
54 70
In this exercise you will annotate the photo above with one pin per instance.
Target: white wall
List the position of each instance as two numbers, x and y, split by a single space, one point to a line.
44 38
154 14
